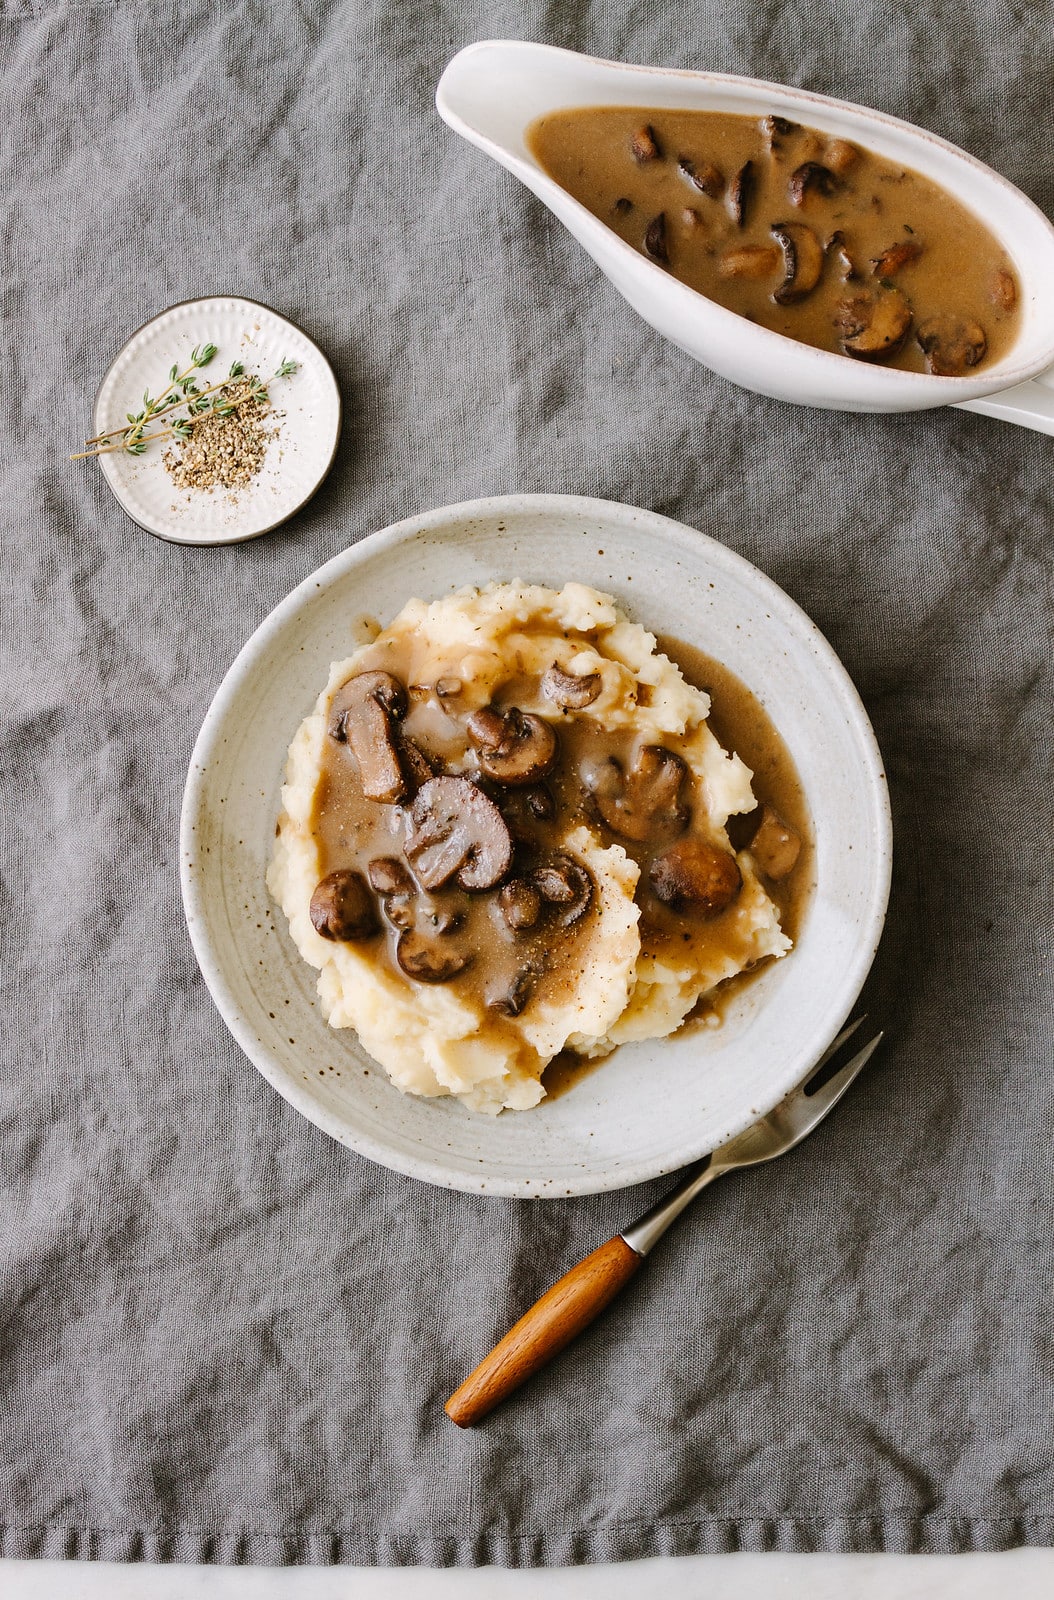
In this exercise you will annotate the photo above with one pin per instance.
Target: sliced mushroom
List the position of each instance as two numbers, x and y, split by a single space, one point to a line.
565 883
569 692
442 917
512 1002
457 832
740 193
417 766
655 239
1004 290
873 326
427 960
448 688
749 261
776 128
812 178
696 875
840 156
388 876
951 345
342 907
399 910
836 248
645 802
707 178
513 748
520 903
802 261
775 846
896 257
645 146
361 714
540 802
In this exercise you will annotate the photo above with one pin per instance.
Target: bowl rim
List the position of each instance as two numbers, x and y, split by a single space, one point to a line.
885 380
501 508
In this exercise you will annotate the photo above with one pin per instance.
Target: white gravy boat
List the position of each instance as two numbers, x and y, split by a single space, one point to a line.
492 91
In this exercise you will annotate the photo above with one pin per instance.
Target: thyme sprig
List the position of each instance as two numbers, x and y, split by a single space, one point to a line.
184 393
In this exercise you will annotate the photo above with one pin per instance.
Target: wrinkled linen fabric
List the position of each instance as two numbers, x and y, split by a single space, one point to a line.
222 1336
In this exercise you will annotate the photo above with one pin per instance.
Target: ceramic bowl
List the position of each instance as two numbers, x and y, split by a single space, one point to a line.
651 1107
491 92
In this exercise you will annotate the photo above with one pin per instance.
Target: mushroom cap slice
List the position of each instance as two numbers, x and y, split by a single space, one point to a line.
361 714
513 748
705 177
802 261
428 960
512 1002
749 261
566 690
874 325
740 191
565 883
775 846
812 176
896 257
457 832
655 240
644 803
951 345
694 874
520 903
342 907
836 247
644 145
1003 292
388 876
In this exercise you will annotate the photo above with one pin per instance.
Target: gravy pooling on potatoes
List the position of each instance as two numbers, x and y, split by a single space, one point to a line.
806 234
525 934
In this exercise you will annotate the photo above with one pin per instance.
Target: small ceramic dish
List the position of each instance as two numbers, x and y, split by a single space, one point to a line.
306 414
651 1107
491 92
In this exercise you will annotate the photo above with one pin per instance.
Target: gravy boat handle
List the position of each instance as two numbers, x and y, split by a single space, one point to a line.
1030 405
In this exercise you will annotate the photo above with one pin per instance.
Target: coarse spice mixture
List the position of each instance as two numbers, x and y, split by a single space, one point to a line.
225 451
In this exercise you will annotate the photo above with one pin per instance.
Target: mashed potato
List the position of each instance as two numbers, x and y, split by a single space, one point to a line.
637 961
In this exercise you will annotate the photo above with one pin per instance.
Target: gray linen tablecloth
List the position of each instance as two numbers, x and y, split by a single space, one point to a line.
222 1336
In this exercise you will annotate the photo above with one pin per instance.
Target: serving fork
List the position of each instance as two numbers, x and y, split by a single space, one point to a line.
582 1294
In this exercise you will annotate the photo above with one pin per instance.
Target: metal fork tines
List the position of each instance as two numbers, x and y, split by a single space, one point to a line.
785 1126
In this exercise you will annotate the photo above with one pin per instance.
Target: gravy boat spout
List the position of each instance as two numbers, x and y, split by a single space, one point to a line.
491 92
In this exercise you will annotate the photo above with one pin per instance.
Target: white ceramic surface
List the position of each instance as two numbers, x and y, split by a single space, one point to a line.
492 91
652 1107
729 1577
306 413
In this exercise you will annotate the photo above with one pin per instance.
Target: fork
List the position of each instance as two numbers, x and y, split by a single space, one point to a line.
582 1294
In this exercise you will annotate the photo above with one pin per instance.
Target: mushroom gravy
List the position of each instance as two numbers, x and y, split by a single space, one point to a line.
504 834
519 928
801 232
740 722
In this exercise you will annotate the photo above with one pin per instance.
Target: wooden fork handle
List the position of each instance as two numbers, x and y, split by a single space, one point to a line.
551 1323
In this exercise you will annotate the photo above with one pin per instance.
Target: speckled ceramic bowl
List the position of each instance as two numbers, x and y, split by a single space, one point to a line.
652 1107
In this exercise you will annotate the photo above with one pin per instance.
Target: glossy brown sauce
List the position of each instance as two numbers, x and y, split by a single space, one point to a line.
740 722
352 831
870 227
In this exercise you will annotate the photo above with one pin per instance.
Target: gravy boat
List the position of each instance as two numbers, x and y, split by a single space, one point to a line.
492 91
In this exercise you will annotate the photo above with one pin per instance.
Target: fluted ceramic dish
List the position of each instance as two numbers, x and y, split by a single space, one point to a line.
651 1107
305 417
492 91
